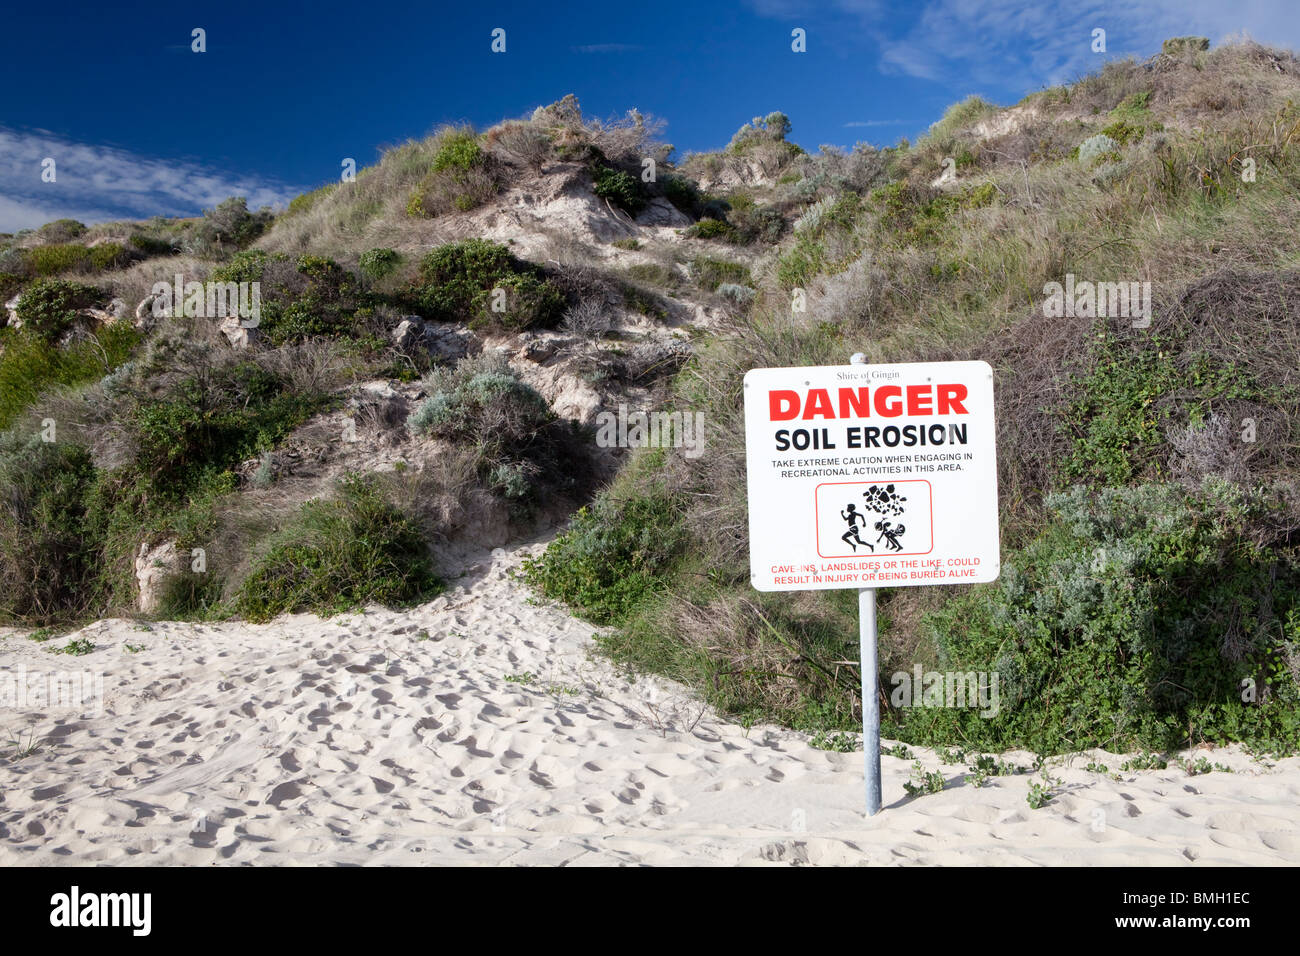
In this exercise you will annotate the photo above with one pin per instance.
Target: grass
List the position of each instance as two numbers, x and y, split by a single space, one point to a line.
30 366
609 559
340 554
709 272
20 748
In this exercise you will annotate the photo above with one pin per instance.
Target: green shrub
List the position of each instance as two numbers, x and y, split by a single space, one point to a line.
682 193
340 554
1135 620
30 366
753 223
711 229
61 230
460 176
460 150
919 215
745 223
188 440
208 425
504 419
1098 149
58 258
490 406
1133 107
1180 46
378 263
328 279
807 257
1123 133
415 202
1130 392
611 558
801 262
48 308
709 273
152 245
229 227
9 284
523 451
510 480
108 255
772 128
318 298
620 188
247 266
46 559
456 283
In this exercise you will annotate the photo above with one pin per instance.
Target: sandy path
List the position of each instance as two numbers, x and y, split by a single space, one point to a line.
480 729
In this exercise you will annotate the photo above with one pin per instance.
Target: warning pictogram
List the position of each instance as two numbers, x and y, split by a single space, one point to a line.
878 517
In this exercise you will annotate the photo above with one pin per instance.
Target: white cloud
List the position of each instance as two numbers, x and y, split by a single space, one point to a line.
1026 45
101 183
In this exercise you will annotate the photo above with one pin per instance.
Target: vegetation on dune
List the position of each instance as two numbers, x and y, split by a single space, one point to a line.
1145 616
181 445
31 366
481 282
46 561
615 554
1146 473
1150 594
521 451
461 176
48 307
339 554
168 427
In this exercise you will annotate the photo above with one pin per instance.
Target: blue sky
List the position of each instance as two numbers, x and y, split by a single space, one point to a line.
138 124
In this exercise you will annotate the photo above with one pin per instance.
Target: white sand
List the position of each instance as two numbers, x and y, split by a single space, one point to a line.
361 740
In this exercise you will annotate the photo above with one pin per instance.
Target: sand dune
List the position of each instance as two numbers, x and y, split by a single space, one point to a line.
480 728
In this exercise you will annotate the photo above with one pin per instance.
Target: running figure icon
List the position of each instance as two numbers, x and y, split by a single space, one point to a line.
853 516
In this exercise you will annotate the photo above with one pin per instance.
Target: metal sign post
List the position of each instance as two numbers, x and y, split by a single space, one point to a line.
870 698
870 672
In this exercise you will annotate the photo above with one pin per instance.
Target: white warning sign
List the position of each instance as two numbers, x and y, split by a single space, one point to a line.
864 476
